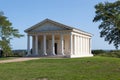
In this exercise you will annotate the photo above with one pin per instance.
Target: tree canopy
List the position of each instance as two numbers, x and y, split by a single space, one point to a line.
108 13
7 33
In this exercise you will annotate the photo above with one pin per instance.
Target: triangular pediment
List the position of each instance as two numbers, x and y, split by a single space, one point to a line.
48 25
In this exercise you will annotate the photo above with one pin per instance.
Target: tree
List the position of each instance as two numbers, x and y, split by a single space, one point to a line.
6 34
109 15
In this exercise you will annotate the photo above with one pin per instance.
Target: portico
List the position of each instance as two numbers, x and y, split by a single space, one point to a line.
47 43
53 38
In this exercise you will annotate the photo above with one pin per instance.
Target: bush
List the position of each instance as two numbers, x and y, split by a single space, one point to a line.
115 53
19 53
110 53
96 52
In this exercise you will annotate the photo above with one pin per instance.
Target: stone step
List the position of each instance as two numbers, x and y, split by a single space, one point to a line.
48 56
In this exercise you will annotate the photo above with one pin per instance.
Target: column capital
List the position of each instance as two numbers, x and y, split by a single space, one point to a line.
28 35
71 33
44 34
53 33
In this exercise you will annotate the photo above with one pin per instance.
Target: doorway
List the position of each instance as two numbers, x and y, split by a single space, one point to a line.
55 48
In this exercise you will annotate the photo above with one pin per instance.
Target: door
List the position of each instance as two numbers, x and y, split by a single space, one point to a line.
56 48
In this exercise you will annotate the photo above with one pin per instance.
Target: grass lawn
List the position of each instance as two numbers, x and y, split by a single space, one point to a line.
7 58
94 68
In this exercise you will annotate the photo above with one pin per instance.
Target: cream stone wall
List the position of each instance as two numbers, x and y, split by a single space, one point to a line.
66 44
81 45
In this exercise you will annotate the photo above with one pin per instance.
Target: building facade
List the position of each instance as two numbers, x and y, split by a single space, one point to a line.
51 38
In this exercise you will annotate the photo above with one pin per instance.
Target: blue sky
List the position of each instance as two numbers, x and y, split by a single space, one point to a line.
75 13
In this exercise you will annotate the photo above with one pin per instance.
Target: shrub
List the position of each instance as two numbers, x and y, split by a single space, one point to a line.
96 52
19 53
109 53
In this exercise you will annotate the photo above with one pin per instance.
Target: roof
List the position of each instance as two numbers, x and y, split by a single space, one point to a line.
56 23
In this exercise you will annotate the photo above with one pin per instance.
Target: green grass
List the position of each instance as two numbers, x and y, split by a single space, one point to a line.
94 68
7 58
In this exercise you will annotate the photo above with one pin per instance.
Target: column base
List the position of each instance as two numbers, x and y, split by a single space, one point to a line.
28 54
35 54
45 54
62 54
53 54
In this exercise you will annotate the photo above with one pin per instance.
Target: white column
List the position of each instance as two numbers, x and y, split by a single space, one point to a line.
89 45
80 44
33 44
71 43
83 45
61 44
74 44
44 44
77 45
28 45
36 45
86 45
53 47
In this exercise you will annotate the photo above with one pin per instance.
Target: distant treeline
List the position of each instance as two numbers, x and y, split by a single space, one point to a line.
107 53
21 53
15 53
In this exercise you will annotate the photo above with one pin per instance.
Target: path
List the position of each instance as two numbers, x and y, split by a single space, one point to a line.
17 60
